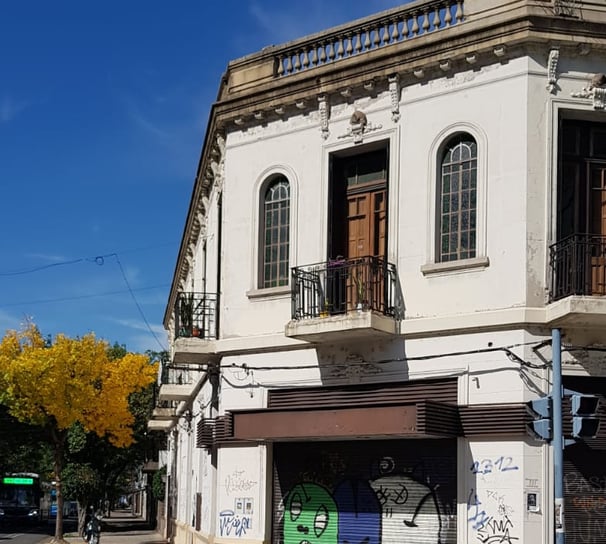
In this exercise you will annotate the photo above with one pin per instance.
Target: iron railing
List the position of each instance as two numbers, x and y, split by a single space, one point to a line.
578 266
343 285
196 315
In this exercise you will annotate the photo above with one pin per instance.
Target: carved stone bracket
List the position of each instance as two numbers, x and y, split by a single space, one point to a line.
323 106
596 91
394 93
552 70
358 126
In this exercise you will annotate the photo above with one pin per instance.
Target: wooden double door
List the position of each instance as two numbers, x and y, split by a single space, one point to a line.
359 227
582 202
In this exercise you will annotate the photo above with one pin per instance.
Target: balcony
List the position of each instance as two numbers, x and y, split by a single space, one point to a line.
195 327
344 299
578 281
176 385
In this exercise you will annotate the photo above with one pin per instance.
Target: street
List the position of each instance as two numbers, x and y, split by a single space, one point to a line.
23 534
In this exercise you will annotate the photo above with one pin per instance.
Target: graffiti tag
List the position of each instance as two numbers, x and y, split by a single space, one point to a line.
232 524
497 531
237 482
500 464
476 516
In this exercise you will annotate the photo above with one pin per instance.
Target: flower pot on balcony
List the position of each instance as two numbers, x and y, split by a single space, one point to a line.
195 331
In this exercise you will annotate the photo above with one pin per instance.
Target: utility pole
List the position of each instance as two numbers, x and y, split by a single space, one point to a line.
558 438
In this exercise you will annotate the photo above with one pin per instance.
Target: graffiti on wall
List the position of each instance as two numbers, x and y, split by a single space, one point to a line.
491 515
237 522
393 507
238 482
586 497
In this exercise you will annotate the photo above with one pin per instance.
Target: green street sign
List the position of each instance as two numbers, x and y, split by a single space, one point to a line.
10 480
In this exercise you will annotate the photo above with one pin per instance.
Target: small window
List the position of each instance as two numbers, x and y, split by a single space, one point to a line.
457 200
275 234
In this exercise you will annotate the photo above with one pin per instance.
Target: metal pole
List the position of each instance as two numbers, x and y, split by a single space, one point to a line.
558 438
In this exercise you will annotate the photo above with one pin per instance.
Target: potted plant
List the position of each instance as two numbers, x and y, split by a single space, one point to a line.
361 302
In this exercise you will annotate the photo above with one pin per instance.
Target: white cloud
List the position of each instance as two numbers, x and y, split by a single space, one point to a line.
9 108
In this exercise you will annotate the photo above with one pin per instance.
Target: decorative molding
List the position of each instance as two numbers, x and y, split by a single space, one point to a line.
499 50
445 65
596 91
419 73
358 126
552 70
394 93
323 106
472 58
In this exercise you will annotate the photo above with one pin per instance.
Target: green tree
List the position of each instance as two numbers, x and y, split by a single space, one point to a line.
55 384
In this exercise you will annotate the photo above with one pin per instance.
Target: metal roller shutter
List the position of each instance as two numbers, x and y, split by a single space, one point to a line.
371 492
585 472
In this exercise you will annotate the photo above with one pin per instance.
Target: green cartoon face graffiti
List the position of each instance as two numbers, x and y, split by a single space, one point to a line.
310 516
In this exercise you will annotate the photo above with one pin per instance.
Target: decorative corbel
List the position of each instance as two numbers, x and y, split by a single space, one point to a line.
596 91
394 93
323 107
552 70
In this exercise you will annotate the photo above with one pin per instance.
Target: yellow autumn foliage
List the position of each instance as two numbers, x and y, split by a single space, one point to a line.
71 380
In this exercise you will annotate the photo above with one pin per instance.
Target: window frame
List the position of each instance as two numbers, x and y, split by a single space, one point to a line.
260 186
434 265
273 207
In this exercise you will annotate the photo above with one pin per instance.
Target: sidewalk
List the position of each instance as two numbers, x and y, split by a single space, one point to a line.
122 528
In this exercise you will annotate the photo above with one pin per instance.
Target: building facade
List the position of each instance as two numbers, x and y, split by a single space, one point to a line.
389 220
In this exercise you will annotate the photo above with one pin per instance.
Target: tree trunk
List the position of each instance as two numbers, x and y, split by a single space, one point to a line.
59 454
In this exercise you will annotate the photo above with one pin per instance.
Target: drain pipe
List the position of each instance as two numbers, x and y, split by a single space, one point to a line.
558 437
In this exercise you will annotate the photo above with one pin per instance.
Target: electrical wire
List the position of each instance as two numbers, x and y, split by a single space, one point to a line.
132 294
80 297
97 259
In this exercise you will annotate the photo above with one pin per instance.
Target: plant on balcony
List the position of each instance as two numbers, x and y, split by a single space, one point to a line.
186 314
361 301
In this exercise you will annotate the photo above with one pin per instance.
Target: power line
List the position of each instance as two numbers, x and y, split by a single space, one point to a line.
79 297
97 259
132 294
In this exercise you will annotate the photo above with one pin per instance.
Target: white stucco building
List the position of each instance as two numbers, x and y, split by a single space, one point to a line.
389 219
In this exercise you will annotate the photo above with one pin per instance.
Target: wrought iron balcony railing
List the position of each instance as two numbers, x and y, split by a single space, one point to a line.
196 315
344 285
578 266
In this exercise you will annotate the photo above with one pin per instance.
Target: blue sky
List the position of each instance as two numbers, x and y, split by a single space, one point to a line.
103 107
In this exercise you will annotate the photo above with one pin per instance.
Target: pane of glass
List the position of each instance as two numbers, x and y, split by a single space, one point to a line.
465 221
283 253
453 241
454 202
472 220
445 204
444 244
465 200
472 199
274 236
464 240
445 224
454 223
465 180
446 183
455 183
283 234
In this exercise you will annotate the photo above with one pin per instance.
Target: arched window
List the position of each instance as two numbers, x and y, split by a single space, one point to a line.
457 199
275 234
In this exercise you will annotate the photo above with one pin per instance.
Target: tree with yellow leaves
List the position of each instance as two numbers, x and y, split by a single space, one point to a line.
55 384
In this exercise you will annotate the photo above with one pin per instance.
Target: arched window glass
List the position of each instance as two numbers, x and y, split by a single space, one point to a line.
275 234
457 199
